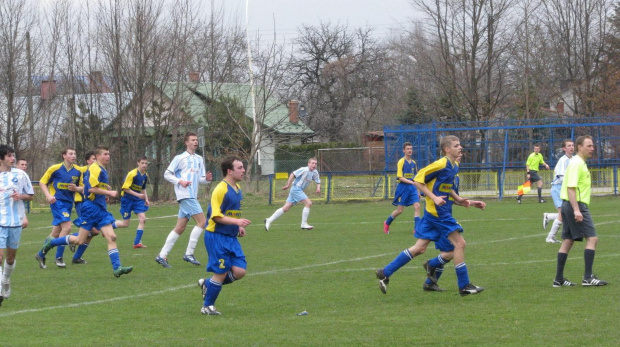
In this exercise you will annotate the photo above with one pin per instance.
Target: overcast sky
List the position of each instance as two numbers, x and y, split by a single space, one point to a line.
383 15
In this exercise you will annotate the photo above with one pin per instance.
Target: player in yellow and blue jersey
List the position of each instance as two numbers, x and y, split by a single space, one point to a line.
225 225
56 185
134 198
15 188
406 193
436 181
94 213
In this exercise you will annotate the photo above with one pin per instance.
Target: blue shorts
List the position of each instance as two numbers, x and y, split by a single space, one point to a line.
296 195
405 195
188 208
78 208
128 205
437 230
61 210
555 195
10 236
93 216
224 252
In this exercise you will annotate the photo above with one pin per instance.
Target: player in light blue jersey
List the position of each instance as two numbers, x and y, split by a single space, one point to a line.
134 198
22 164
406 193
56 184
95 216
556 186
226 257
436 181
186 172
298 180
15 188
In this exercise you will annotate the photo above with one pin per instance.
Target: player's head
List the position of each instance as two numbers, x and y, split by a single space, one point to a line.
536 148
232 167
22 164
568 146
451 146
191 140
102 154
143 162
68 155
408 148
312 164
7 151
89 157
585 146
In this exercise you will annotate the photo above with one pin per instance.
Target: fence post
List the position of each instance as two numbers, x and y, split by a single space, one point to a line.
329 186
615 180
270 189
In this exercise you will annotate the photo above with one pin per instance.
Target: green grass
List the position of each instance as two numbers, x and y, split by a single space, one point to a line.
328 272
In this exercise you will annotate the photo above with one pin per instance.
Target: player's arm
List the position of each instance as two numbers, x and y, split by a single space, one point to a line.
49 197
439 201
205 176
216 211
291 177
572 198
97 187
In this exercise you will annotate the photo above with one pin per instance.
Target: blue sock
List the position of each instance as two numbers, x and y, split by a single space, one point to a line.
138 238
213 290
60 250
401 260
80 251
61 241
461 275
114 225
115 259
438 273
437 262
389 220
229 278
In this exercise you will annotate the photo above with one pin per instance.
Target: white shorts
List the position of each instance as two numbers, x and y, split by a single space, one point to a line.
10 236
189 207
555 195
296 195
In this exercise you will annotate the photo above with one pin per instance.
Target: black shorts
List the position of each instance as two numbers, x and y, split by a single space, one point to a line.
576 230
534 176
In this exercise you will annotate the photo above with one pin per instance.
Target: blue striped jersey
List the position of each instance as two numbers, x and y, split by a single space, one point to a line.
12 212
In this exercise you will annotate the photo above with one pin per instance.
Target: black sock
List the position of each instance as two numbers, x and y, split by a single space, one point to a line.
588 257
539 193
559 275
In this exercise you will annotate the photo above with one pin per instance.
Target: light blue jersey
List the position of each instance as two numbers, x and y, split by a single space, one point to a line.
12 212
187 167
303 176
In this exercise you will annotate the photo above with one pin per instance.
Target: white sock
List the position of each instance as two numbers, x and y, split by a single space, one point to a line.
554 228
8 269
279 212
552 216
1 275
304 216
170 240
193 240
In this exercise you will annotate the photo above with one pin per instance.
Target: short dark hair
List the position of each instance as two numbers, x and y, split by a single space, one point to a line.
227 164
188 134
407 144
565 142
4 150
99 149
581 139
142 158
88 155
67 149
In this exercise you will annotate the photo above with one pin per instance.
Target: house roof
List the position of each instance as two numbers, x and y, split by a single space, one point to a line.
277 115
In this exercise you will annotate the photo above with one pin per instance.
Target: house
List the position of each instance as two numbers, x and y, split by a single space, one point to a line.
187 102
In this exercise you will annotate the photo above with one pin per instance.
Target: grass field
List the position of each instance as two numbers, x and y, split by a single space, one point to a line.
328 272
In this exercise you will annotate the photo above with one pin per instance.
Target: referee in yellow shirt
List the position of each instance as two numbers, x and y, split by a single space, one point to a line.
531 166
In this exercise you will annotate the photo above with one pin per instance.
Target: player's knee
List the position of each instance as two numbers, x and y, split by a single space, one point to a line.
113 238
461 244
239 273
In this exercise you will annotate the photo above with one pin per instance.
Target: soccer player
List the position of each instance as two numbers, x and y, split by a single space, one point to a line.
94 213
300 179
15 188
436 181
556 186
22 164
134 198
55 185
406 193
226 258
79 199
577 221
186 172
532 166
